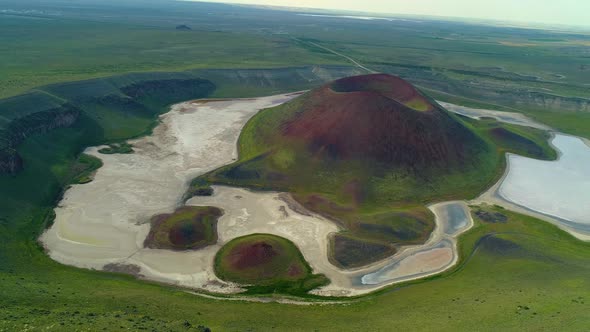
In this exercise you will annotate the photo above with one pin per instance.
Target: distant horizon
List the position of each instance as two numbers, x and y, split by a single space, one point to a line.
567 13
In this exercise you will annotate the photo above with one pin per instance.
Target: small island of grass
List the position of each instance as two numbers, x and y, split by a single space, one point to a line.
188 228
83 169
266 263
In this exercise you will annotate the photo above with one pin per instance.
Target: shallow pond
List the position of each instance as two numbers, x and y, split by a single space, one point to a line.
427 261
557 188
435 256
457 219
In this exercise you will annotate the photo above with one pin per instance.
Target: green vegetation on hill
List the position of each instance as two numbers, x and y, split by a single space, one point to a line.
118 108
370 162
265 264
524 141
83 169
188 228
17 129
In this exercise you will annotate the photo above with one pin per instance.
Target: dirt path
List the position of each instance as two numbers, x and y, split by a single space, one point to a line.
353 61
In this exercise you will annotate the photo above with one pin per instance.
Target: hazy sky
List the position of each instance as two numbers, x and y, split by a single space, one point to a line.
570 12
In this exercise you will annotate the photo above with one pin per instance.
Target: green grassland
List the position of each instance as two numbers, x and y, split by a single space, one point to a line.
188 228
100 50
539 282
522 274
265 264
540 72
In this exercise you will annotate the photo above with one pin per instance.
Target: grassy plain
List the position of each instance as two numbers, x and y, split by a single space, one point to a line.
100 50
540 72
523 274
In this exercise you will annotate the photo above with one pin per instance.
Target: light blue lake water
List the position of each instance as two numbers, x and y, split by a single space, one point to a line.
557 188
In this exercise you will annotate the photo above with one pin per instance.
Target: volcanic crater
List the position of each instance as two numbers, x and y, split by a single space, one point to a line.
370 118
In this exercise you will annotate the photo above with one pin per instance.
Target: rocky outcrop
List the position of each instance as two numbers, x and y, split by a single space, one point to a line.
134 96
280 79
21 128
492 87
555 102
171 90
10 161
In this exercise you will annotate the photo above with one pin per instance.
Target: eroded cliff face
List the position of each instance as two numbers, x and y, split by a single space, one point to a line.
550 101
37 123
495 87
280 79
135 98
10 162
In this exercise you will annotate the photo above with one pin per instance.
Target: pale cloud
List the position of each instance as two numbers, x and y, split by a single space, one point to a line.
569 12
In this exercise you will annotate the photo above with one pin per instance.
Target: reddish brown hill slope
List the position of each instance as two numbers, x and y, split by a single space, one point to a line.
365 118
388 86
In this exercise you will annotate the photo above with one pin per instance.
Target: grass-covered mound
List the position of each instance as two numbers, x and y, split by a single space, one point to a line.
83 169
368 152
524 141
266 262
188 228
